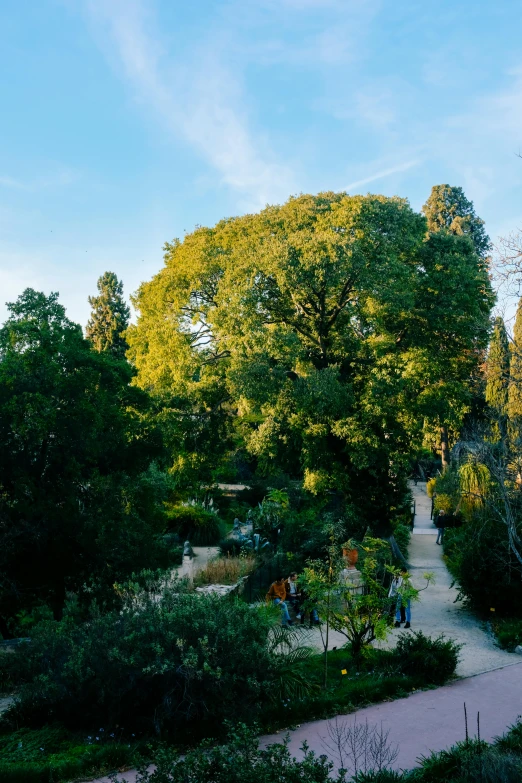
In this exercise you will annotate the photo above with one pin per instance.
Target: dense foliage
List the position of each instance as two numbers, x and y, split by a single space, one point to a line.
170 659
316 336
80 499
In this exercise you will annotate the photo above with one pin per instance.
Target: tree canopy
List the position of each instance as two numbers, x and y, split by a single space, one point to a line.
319 334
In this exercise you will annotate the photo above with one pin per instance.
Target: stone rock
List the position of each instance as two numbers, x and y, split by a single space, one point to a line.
518 649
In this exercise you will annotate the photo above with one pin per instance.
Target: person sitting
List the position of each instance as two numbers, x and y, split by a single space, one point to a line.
293 594
277 594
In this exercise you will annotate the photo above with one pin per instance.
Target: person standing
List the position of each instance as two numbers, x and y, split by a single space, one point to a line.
402 605
293 594
440 522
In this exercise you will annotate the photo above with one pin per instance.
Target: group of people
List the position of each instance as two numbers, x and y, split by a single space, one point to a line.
287 592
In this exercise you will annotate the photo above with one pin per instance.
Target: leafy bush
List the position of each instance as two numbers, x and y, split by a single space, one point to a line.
195 524
402 534
383 776
508 632
488 574
229 547
169 658
240 760
435 660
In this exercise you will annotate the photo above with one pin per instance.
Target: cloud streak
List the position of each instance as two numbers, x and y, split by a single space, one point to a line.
199 104
384 173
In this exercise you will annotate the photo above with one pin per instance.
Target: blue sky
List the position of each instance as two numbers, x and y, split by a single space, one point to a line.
124 123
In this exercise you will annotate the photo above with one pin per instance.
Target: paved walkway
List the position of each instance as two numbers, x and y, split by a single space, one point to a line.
432 720
437 611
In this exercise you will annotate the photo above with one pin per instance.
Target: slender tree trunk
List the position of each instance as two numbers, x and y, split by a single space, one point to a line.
444 447
326 642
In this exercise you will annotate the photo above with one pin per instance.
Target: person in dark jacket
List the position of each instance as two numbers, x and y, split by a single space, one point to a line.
440 522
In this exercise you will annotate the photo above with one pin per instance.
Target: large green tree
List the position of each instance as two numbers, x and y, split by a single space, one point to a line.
76 494
450 214
110 316
312 328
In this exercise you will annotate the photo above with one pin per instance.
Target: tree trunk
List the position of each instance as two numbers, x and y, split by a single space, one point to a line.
444 448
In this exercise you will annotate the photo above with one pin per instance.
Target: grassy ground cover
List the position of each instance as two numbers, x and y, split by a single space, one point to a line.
54 754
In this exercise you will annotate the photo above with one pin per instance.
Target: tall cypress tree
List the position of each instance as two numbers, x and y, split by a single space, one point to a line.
110 316
515 375
497 375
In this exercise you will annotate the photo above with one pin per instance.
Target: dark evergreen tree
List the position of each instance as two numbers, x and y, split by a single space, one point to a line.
448 209
110 316
497 368
497 376
515 375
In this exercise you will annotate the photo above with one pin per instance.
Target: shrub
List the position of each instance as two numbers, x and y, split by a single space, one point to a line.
195 524
435 660
383 776
229 547
488 574
508 632
165 660
402 534
239 761
225 570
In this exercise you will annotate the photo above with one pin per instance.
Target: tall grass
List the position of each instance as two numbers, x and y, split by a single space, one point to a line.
225 570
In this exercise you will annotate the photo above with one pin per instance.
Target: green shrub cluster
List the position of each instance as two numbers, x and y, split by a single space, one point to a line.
434 660
168 660
195 524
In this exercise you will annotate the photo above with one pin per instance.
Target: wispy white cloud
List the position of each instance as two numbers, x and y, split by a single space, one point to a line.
383 173
59 179
201 103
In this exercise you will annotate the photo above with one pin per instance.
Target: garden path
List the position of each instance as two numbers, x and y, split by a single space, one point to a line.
438 611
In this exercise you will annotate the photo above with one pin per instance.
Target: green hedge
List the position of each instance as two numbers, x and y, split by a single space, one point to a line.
193 523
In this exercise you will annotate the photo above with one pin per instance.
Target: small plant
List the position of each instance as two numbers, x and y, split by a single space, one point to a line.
359 747
435 660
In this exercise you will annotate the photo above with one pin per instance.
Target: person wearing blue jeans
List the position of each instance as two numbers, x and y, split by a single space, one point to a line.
402 612
277 594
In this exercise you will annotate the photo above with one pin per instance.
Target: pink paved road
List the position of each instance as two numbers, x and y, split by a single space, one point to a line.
427 720
434 720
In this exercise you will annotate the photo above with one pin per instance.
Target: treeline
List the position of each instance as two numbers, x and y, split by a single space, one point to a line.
313 347
484 482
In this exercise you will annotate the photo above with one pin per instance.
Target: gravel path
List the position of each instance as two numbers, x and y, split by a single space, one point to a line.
438 611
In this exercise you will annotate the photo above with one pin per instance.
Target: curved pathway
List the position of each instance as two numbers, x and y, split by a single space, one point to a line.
438 610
